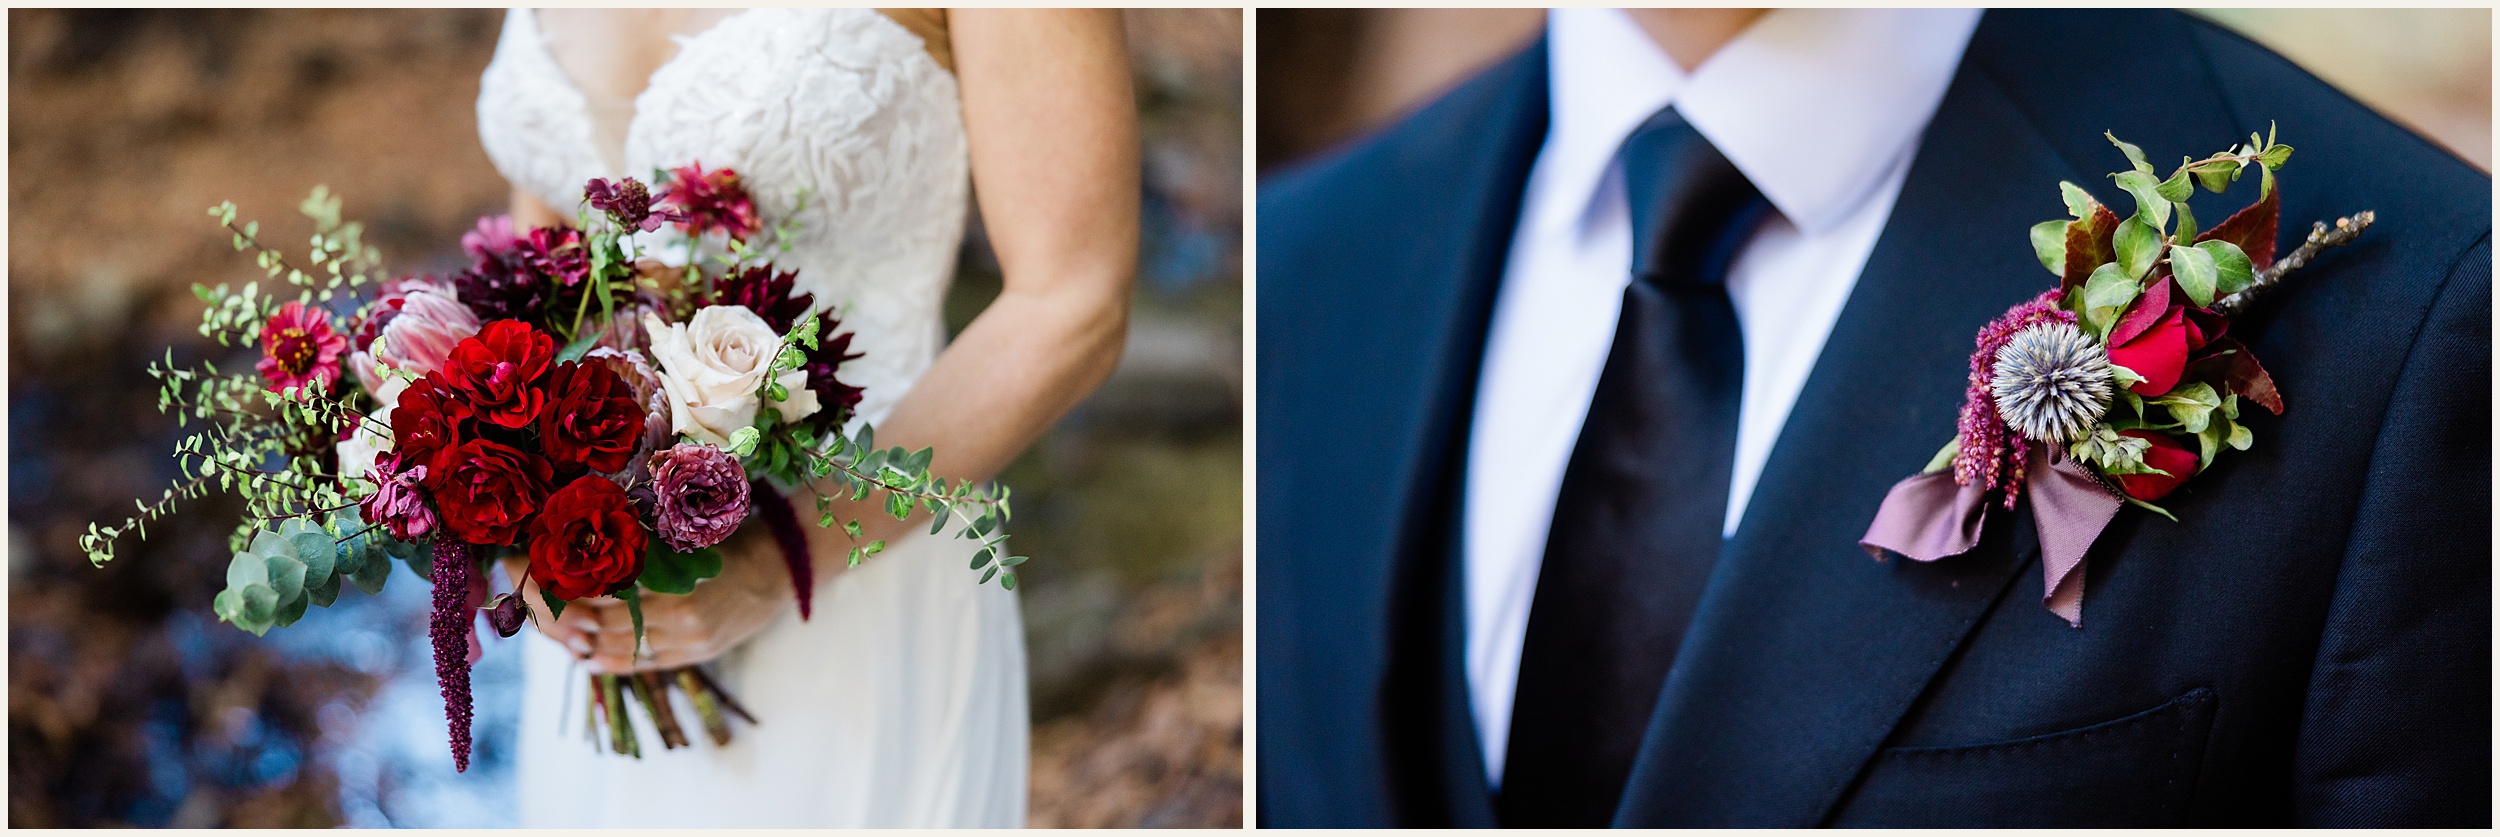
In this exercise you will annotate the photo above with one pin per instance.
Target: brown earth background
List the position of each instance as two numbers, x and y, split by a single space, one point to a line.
130 705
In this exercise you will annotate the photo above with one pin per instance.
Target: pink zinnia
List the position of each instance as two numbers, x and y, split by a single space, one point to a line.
298 346
708 201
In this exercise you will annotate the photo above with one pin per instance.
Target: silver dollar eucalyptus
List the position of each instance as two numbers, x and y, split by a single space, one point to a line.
2051 382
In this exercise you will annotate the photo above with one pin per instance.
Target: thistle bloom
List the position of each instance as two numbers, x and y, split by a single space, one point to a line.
298 347
2051 383
1992 455
702 495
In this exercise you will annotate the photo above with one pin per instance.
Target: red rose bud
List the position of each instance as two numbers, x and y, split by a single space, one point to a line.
2166 454
588 541
490 491
2157 333
499 371
298 347
591 420
505 616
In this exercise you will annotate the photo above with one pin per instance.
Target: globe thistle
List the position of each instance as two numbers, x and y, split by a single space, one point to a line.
2051 382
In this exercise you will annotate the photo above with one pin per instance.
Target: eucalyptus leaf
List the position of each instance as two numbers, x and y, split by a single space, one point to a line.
2048 241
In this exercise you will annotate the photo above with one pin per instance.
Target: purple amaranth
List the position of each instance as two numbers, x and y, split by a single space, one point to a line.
1993 455
450 629
783 522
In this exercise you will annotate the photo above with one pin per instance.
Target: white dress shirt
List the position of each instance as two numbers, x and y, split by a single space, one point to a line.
1821 109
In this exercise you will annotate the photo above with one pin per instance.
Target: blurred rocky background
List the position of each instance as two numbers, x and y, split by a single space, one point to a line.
131 705
1326 75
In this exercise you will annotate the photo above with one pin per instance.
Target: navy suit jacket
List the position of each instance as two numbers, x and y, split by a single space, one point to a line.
2309 644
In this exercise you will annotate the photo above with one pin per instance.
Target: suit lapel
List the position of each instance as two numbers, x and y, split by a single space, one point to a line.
1804 652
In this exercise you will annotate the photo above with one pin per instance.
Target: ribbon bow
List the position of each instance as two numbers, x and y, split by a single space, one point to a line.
1929 517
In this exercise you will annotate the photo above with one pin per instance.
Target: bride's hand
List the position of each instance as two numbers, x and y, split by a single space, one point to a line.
751 591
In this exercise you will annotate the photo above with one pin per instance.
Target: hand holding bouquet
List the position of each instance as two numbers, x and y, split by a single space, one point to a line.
550 406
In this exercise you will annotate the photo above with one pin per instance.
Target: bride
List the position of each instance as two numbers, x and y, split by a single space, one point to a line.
901 702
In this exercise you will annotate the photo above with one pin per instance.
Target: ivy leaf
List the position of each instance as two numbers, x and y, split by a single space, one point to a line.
2195 271
2150 206
2106 296
2177 188
2048 241
2217 176
2138 244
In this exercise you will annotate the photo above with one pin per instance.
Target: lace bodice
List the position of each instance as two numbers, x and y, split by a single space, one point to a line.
843 104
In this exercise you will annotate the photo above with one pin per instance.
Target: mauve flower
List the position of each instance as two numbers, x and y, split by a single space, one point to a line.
399 505
628 203
298 347
707 201
416 322
701 494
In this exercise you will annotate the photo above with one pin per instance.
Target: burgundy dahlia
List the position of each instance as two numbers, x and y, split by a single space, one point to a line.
701 495
501 286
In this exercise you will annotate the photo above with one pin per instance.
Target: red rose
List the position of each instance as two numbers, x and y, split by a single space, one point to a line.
2157 333
499 371
2166 454
591 420
588 542
430 421
488 491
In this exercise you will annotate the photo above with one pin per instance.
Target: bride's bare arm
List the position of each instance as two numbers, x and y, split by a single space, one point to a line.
1053 129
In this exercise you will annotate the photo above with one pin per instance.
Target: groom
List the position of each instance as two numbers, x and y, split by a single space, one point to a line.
1578 387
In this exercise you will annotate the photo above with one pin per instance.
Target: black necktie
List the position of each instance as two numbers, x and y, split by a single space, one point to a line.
1636 525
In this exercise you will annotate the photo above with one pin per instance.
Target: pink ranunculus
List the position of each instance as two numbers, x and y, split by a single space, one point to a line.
299 347
701 494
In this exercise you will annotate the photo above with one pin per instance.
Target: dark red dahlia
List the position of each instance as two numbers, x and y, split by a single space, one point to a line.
490 491
558 255
299 347
592 420
707 201
499 372
501 286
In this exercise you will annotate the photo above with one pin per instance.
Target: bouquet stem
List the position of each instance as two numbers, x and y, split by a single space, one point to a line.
705 708
712 706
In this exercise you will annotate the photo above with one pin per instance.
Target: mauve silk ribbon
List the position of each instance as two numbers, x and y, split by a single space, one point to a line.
1928 517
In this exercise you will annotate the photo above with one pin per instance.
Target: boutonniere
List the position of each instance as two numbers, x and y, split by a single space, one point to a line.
2119 384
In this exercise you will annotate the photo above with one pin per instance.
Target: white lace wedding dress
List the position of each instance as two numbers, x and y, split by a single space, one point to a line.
902 703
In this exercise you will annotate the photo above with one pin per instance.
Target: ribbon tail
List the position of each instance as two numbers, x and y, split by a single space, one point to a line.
2070 508
1927 517
783 522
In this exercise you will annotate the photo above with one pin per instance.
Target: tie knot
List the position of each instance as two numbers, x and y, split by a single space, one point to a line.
1691 208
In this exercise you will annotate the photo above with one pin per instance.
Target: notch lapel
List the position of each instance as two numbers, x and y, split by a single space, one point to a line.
1805 653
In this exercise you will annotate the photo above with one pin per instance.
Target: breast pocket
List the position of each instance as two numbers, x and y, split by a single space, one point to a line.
2135 771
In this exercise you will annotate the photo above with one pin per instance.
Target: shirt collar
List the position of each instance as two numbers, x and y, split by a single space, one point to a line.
1815 106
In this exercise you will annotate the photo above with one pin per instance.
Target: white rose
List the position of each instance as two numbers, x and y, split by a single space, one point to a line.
370 439
712 367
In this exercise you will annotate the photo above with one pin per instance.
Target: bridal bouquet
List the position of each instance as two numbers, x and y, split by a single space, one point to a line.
552 405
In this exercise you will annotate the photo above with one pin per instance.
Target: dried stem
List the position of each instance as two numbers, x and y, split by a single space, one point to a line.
2320 238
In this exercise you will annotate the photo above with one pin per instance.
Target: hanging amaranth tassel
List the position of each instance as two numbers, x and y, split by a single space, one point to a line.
450 629
784 523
